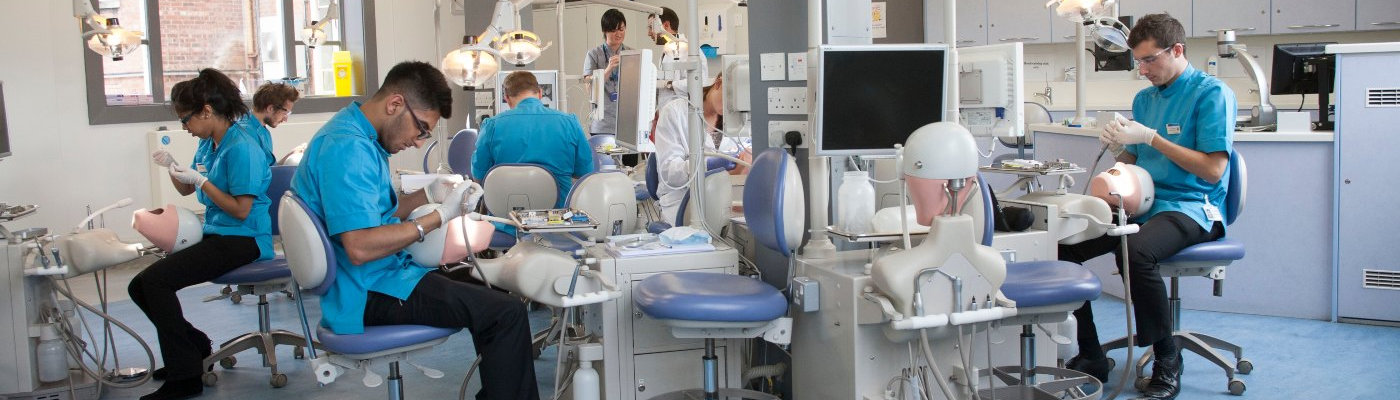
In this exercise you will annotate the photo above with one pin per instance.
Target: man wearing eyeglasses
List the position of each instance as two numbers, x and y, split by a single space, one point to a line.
272 105
1182 135
345 179
532 133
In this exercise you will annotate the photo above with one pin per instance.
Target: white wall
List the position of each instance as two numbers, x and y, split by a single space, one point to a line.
62 164
1115 89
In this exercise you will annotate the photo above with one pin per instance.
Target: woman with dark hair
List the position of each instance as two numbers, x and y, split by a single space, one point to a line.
229 174
605 59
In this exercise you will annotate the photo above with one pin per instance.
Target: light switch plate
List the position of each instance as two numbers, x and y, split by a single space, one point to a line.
797 66
773 66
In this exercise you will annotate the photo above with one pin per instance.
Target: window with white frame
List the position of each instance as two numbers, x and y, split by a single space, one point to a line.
251 41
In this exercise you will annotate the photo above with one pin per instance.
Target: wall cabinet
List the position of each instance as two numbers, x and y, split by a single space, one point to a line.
1245 17
1017 21
1309 16
972 23
1377 14
1179 9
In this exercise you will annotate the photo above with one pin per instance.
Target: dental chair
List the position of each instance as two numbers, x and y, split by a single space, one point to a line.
1209 260
313 265
513 187
719 306
260 279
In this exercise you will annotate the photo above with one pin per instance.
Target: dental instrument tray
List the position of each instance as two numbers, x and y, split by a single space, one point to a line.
1033 167
614 150
874 237
13 212
553 220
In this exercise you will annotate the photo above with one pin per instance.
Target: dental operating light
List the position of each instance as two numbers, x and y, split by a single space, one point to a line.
470 65
314 34
1096 16
107 36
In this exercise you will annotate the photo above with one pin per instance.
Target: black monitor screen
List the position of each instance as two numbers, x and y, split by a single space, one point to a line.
873 97
4 126
1294 70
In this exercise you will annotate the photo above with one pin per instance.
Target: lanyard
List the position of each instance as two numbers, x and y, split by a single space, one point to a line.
607 57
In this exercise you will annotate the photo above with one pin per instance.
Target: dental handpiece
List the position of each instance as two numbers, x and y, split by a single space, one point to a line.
1095 166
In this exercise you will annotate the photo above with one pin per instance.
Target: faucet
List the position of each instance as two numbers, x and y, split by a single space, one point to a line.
1049 97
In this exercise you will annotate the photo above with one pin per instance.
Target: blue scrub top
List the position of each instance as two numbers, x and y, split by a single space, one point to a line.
1196 111
238 166
250 123
535 134
344 178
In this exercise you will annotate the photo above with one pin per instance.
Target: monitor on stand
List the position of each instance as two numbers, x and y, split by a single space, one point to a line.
1305 68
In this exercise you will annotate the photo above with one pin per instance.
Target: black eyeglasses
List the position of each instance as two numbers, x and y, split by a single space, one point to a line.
423 132
185 120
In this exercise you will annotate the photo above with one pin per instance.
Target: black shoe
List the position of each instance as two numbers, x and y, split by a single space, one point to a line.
177 389
1166 379
1098 369
161 373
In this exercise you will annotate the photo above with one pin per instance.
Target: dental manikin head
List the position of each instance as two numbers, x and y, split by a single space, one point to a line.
1131 182
446 245
170 228
939 159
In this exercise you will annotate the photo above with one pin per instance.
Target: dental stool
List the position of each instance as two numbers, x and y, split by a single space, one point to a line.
715 306
260 279
1045 292
1209 260
313 265
517 186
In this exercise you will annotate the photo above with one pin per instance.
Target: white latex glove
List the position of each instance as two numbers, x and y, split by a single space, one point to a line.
473 196
1107 140
187 175
438 190
1127 132
162 158
456 200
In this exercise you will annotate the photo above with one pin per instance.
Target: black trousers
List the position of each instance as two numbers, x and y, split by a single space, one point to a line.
1161 237
498 323
182 346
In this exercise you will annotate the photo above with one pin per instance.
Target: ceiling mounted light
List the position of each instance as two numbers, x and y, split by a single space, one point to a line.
314 34
470 65
107 36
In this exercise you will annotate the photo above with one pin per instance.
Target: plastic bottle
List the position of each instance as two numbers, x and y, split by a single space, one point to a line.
1213 65
856 199
50 358
70 313
586 383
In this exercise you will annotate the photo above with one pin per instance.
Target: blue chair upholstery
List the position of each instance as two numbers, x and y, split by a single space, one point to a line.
259 278
1223 249
460 151
502 240
1043 283
653 180
702 296
427 154
599 159
700 300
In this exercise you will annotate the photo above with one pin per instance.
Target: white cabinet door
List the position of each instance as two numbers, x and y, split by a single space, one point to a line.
972 23
1309 16
1377 14
1246 17
1179 9
1017 21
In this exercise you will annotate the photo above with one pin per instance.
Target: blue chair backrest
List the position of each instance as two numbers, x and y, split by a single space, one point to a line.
1237 189
653 180
280 184
428 153
599 159
988 217
308 247
459 152
601 139
774 204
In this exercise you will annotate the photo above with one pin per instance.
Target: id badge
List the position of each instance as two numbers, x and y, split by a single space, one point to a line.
1173 129
1213 213
612 96
200 167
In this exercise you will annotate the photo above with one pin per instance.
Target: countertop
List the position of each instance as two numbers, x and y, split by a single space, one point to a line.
1282 136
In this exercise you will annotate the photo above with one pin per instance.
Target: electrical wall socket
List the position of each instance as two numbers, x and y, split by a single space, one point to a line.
787 101
778 129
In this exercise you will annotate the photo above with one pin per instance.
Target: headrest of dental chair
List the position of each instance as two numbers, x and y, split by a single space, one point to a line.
1237 189
170 228
653 180
609 198
519 187
308 248
280 184
459 152
718 195
775 206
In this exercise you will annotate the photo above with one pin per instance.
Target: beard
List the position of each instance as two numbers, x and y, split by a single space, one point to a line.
660 41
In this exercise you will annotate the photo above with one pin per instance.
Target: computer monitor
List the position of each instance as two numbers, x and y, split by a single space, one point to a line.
4 125
990 94
871 97
1304 68
636 100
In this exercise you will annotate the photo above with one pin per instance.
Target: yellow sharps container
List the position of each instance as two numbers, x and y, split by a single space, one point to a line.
344 67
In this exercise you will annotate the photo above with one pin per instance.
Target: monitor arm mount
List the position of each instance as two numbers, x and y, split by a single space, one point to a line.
1263 114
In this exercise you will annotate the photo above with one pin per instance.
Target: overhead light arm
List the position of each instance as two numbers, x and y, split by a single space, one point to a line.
107 36
315 33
